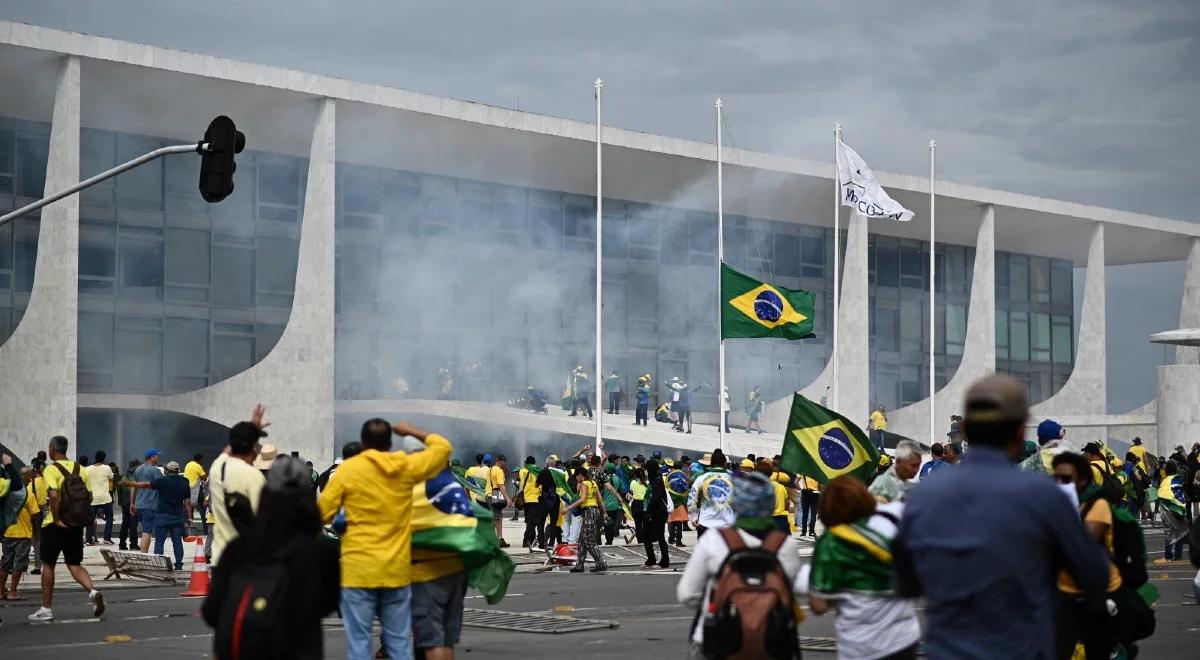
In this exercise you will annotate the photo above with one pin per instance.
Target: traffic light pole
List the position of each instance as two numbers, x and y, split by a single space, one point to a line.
107 174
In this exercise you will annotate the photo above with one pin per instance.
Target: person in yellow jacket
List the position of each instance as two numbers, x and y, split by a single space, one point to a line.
375 488
1138 450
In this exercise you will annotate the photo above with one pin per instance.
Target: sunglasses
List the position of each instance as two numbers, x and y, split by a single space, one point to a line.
1064 479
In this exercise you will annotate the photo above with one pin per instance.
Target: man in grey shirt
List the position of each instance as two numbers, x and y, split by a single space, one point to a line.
146 500
983 543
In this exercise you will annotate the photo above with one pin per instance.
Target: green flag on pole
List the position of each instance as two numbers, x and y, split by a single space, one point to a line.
751 308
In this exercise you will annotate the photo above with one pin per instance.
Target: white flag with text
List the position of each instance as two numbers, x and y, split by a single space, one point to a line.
860 190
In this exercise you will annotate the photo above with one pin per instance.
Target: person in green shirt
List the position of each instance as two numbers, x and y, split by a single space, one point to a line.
612 384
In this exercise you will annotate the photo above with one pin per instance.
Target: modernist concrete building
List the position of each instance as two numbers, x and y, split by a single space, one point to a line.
377 235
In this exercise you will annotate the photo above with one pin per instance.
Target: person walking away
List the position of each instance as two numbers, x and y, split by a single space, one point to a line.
196 476
895 484
127 535
642 412
754 409
535 513
100 482
478 475
497 490
984 597
284 555
145 502
678 488
779 515
656 504
588 502
439 587
725 408
1138 482
18 536
810 500
375 488
1172 504
581 390
1081 619
879 426
40 494
1139 452
234 486
752 528
612 496
852 575
612 385
173 510
638 488
710 497
550 503
62 528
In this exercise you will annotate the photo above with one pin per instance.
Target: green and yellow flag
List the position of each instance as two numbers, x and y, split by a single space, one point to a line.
750 308
823 445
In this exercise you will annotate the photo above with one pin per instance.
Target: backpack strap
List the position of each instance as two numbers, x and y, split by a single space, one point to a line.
64 470
732 539
774 541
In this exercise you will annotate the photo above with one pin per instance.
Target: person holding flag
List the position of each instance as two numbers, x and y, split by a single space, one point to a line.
1172 503
676 482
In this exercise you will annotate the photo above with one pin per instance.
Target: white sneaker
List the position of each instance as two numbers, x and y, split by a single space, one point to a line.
97 599
42 614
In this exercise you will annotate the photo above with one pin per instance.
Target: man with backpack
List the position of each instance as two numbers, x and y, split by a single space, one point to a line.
70 510
1121 616
741 578
1103 475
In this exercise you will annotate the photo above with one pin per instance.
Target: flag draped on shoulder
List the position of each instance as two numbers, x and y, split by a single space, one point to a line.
445 519
851 558
823 445
860 190
751 308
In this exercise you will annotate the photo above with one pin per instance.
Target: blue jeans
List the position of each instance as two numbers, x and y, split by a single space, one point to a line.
174 530
394 608
878 435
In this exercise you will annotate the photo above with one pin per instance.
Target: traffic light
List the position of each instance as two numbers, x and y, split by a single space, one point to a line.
221 141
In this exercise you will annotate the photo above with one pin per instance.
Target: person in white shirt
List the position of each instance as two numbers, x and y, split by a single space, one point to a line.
711 495
100 482
233 474
754 501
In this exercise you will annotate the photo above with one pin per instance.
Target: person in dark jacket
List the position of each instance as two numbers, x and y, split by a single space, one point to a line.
655 517
288 529
550 502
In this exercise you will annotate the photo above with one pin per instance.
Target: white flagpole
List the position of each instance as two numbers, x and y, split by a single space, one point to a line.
837 256
932 294
598 378
720 260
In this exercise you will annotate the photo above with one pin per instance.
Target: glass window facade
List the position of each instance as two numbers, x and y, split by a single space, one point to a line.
496 281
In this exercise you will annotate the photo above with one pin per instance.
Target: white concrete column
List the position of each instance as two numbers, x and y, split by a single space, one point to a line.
1086 391
38 362
979 351
295 380
854 368
1189 307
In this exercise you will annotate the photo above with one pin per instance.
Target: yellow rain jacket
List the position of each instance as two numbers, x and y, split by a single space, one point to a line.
376 489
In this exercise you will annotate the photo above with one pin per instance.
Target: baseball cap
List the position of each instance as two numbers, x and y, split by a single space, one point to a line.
1092 448
997 398
487 458
656 454
151 453
553 458
172 466
747 463
1049 430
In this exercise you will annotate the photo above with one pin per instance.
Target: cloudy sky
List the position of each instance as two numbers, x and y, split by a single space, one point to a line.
1095 101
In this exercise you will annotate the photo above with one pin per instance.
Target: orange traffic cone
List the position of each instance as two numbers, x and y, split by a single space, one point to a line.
198 584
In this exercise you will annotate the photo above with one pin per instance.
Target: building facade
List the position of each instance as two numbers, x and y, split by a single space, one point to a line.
468 244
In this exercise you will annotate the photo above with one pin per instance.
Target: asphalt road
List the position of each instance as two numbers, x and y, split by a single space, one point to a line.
162 625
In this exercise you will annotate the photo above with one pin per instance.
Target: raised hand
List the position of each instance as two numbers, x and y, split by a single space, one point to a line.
256 417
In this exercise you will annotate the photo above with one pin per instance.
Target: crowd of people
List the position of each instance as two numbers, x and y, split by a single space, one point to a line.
1042 556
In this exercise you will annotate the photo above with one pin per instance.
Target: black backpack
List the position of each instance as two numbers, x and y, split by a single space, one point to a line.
1129 546
1110 487
74 499
253 618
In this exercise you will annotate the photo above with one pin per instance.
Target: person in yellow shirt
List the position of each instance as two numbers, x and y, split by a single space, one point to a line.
375 489
878 426
41 495
810 499
18 538
478 475
497 490
197 477
780 513
1080 621
535 512
1138 450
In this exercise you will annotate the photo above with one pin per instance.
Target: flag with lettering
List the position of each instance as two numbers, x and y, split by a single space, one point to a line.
860 190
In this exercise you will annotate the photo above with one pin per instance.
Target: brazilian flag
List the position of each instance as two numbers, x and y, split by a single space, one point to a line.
823 445
750 308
